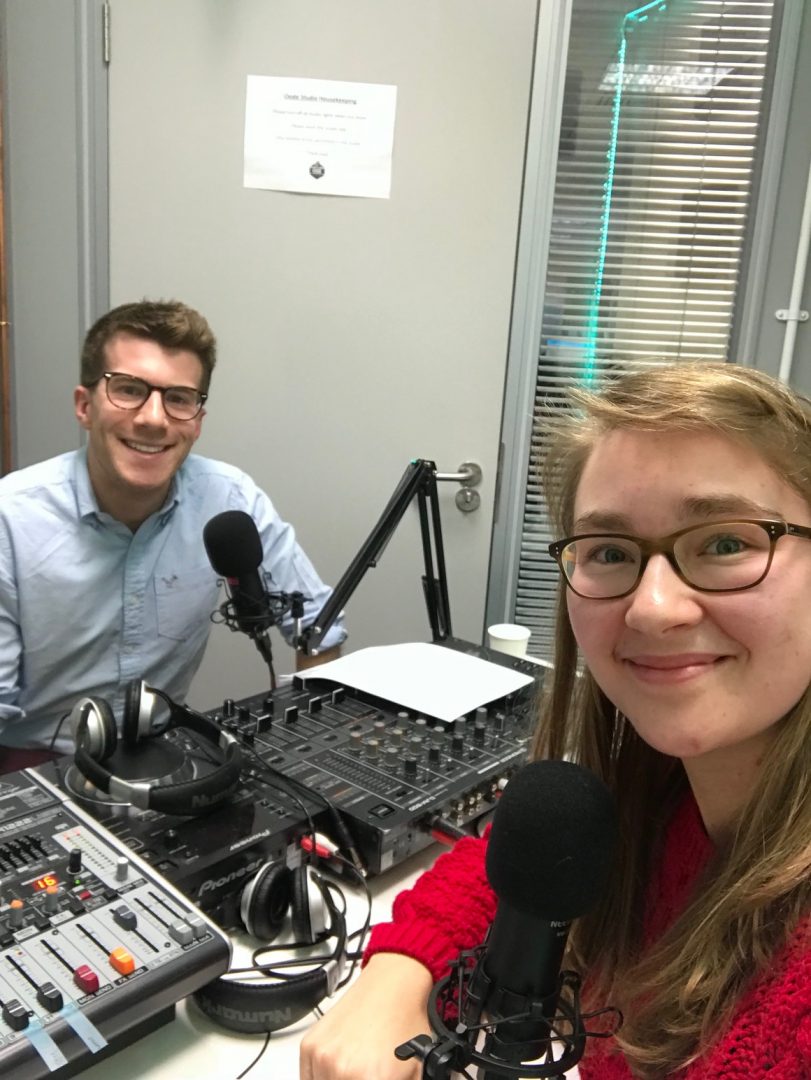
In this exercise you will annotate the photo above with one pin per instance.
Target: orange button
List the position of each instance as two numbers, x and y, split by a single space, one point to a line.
122 961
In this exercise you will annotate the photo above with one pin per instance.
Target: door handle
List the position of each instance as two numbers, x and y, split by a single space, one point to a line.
468 476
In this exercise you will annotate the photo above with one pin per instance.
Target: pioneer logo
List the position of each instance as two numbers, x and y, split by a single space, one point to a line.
229 879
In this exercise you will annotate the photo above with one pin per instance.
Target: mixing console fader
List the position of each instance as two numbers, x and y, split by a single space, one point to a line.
95 947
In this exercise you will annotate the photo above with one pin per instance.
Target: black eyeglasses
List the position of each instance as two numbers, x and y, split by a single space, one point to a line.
129 392
724 556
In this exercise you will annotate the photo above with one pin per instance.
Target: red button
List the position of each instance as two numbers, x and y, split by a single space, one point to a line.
86 979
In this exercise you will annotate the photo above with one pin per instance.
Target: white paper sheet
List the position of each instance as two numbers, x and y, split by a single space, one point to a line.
430 679
319 136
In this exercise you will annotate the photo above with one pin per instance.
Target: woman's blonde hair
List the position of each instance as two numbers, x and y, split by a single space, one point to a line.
679 995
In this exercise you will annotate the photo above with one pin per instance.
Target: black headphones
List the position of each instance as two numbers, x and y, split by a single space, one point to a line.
96 737
253 1007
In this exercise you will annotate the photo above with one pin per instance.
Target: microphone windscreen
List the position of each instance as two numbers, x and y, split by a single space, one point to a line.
233 544
552 842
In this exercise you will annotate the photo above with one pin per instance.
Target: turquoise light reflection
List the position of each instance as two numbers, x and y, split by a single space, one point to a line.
638 15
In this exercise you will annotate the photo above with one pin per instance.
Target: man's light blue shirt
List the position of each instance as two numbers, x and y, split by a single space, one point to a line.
86 605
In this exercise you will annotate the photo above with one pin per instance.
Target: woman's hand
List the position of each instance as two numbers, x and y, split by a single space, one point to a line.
386 1006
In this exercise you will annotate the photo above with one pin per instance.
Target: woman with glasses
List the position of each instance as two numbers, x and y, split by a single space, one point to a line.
682 496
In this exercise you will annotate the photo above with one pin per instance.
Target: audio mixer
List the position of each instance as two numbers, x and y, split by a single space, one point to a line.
95 947
395 776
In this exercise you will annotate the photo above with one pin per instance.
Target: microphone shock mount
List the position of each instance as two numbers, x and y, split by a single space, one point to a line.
555 1046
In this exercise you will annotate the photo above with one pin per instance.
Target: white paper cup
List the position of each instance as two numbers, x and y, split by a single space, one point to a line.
508 638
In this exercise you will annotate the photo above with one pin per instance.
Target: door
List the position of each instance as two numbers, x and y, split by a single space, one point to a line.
354 333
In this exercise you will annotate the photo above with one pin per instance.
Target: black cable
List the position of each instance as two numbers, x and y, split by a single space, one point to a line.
52 743
344 837
258 1057
276 970
276 783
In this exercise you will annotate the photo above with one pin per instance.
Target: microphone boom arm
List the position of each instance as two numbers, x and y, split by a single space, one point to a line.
418 480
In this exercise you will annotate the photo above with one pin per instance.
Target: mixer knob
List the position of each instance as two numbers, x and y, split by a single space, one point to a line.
479 732
171 840
125 917
392 756
396 735
16 914
52 899
410 765
49 997
482 713
421 723
379 726
15 1015
457 743
372 747
434 754
75 860
86 979
228 707
355 741
122 867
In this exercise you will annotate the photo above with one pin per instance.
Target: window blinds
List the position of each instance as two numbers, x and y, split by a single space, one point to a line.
656 166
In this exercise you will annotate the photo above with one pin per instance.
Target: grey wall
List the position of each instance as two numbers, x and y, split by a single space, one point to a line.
355 334
55 150
42 190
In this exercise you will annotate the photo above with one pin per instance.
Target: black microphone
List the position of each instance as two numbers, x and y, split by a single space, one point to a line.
548 858
234 549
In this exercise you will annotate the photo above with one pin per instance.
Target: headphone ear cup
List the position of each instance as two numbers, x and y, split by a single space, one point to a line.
138 705
92 724
308 908
265 901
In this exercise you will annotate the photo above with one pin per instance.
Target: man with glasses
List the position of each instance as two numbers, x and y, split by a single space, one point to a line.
104 577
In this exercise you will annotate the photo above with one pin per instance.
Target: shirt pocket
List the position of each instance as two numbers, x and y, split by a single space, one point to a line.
184 603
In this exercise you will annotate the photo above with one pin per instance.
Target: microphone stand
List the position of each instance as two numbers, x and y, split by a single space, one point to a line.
418 480
517 1043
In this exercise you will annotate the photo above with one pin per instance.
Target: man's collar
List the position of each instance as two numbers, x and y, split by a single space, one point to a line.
87 503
